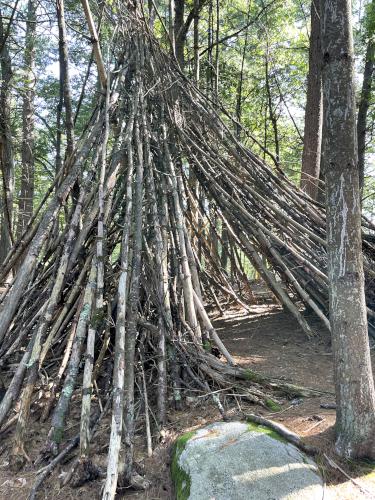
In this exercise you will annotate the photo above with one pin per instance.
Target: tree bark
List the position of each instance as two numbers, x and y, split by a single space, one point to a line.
65 78
6 147
95 44
196 41
355 393
25 202
314 110
180 39
271 109
364 104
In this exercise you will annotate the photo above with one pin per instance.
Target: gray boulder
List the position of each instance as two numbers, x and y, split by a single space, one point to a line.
242 461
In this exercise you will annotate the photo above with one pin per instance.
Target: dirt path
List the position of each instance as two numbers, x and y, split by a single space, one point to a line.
271 343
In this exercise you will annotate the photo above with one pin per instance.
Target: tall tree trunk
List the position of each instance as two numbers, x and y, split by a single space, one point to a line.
241 77
25 202
6 147
179 35
314 110
209 50
272 111
196 41
171 26
64 77
363 108
217 58
355 393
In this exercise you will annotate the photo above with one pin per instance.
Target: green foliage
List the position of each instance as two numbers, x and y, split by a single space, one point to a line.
250 33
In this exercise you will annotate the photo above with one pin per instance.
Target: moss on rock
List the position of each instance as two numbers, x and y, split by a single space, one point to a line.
180 478
265 430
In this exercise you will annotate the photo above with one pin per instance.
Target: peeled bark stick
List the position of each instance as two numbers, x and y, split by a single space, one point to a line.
96 319
211 330
119 356
95 43
284 432
134 293
186 278
68 348
288 273
16 384
161 260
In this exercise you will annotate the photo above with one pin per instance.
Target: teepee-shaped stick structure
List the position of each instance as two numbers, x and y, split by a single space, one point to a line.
114 281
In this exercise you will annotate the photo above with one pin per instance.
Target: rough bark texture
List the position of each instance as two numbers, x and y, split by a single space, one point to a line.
363 108
179 33
25 203
6 148
314 110
355 394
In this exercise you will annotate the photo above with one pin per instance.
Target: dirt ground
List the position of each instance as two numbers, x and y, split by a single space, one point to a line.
268 341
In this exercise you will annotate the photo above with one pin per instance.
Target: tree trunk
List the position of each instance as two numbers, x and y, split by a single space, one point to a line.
171 27
65 78
6 147
272 111
355 393
25 202
196 41
314 110
179 35
363 108
241 76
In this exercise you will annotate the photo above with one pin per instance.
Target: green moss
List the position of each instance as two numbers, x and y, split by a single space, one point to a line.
181 479
58 434
272 405
265 430
252 376
207 346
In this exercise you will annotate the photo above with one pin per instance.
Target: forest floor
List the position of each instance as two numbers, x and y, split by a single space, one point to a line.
268 341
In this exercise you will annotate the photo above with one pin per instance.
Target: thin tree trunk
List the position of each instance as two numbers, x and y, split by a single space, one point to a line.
217 58
364 104
179 10
25 202
355 393
196 41
271 109
171 26
6 147
314 110
240 79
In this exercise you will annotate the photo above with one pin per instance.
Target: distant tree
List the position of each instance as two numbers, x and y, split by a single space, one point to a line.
355 393
314 111
367 85
25 200
6 142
